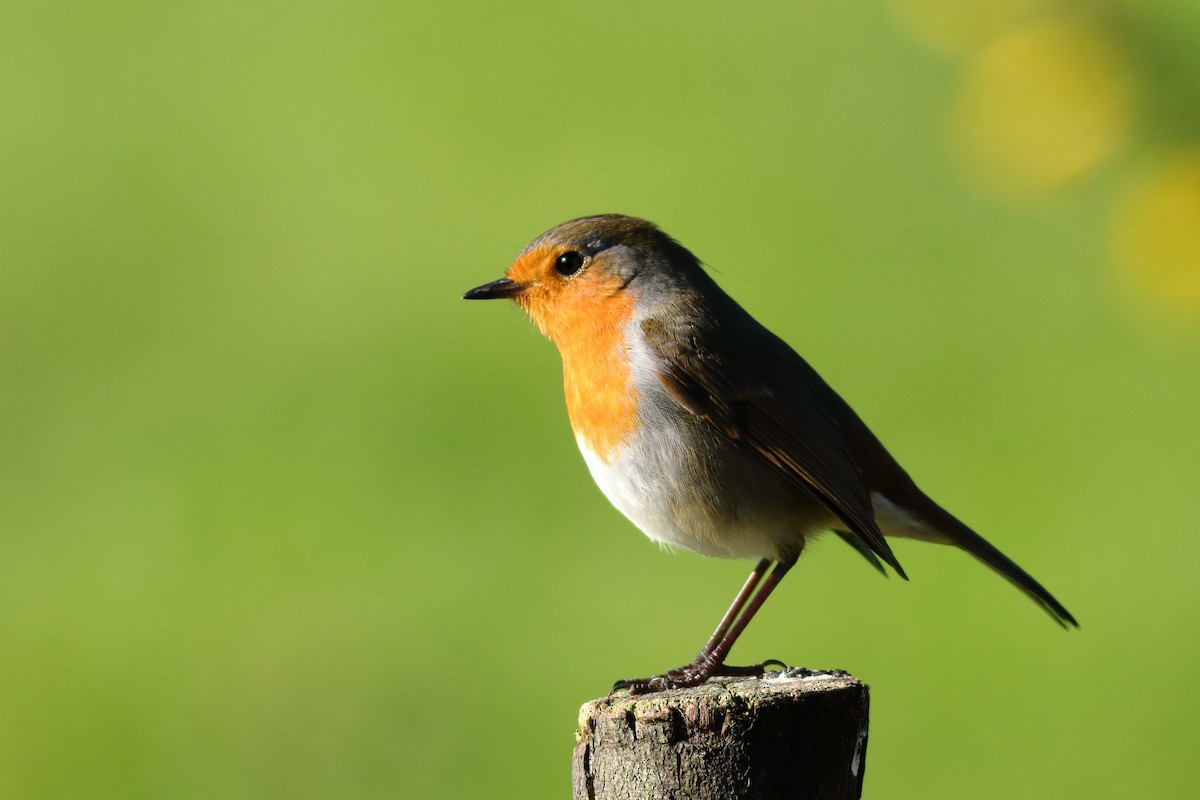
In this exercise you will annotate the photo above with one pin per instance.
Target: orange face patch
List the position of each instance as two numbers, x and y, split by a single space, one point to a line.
585 316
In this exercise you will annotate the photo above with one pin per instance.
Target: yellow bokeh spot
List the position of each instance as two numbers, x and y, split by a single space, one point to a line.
956 27
1043 106
1156 236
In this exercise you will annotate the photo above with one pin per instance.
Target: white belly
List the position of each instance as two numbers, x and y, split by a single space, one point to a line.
682 513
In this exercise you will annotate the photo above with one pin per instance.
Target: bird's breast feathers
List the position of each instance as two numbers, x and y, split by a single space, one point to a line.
670 473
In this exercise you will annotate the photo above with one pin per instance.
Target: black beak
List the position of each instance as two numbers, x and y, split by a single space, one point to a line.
495 290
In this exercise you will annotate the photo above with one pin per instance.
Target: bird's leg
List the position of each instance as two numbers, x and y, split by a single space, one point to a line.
739 602
711 660
715 660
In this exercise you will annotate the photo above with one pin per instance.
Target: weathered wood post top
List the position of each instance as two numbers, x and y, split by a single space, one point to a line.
796 734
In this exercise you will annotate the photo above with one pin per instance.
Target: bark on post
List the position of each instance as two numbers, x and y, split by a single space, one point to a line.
797 734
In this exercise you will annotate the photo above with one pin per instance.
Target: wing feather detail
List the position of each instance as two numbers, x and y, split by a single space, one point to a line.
794 429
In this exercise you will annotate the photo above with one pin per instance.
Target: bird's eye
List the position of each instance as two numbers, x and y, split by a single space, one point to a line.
568 263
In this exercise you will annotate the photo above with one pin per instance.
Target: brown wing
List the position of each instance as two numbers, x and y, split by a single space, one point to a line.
793 428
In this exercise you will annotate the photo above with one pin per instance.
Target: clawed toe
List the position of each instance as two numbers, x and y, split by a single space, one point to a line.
690 675
681 678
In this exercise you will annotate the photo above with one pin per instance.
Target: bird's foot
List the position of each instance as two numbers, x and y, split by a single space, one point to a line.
693 674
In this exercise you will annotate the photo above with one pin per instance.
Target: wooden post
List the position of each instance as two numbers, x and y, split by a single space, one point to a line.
796 734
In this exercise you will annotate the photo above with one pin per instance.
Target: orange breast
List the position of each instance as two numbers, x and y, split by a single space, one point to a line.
586 318
601 400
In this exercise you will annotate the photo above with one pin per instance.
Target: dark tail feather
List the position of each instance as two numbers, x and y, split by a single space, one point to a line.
976 545
861 547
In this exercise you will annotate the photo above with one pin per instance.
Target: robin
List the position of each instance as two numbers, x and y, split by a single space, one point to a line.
708 431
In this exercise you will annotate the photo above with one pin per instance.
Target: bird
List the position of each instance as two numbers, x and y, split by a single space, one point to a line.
708 431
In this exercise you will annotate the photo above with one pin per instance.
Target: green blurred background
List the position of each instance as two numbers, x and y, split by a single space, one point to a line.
281 517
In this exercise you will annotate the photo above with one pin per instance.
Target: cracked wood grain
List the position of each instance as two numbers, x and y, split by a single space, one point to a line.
797 734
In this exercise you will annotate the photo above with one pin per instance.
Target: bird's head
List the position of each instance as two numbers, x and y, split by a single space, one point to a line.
591 272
